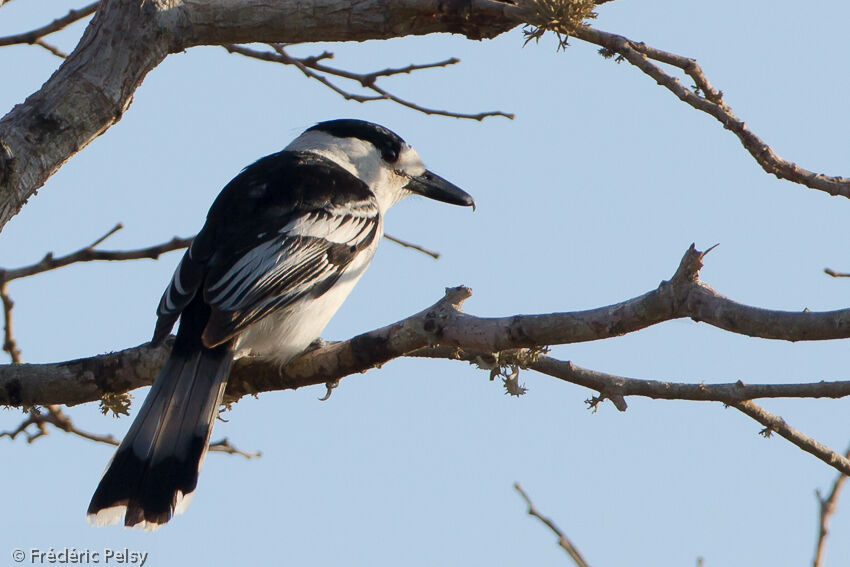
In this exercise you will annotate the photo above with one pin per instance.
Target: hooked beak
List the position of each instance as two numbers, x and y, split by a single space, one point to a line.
435 187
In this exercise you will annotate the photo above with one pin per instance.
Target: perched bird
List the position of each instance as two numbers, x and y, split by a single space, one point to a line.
283 245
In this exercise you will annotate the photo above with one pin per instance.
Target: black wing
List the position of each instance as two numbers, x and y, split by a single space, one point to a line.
283 229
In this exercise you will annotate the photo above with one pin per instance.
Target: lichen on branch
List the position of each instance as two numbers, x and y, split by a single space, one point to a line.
563 17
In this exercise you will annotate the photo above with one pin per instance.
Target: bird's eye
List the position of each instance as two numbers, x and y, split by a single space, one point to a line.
390 155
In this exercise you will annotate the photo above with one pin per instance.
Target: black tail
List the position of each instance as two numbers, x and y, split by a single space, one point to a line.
155 470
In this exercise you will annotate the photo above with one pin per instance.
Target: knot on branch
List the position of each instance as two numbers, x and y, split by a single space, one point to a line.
691 264
434 319
618 400
7 164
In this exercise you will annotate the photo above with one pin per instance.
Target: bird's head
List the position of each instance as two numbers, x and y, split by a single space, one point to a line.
381 159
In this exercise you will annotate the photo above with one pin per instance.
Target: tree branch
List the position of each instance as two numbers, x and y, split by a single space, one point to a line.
406 244
773 423
9 344
495 344
711 102
53 415
827 509
833 273
33 36
616 388
560 17
460 334
91 254
313 68
563 540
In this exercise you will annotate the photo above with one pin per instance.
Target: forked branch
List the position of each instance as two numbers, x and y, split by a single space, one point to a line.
314 68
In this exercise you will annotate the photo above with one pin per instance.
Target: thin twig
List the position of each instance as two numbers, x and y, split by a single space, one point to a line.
313 68
89 254
9 344
833 273
827 509
563 540
406 244
33 36
53 415
51 48
224 446
113 230
774 423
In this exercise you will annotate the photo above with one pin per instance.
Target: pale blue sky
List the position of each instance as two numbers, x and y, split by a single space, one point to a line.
589 197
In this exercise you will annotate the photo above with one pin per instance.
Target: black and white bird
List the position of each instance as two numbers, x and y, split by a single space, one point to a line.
283 245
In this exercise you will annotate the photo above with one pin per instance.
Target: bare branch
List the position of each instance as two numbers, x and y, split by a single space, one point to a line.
313 68
827 509
444 324
9 344
33 36
835 274
225 446
51 48
406 244
563 540
444 330
616 388
89 254
706 98
773 423
53 415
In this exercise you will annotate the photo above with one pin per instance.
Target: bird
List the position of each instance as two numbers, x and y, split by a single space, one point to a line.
282 246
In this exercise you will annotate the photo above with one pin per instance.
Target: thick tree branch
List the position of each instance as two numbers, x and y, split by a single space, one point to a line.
217 22
495 344
444 324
